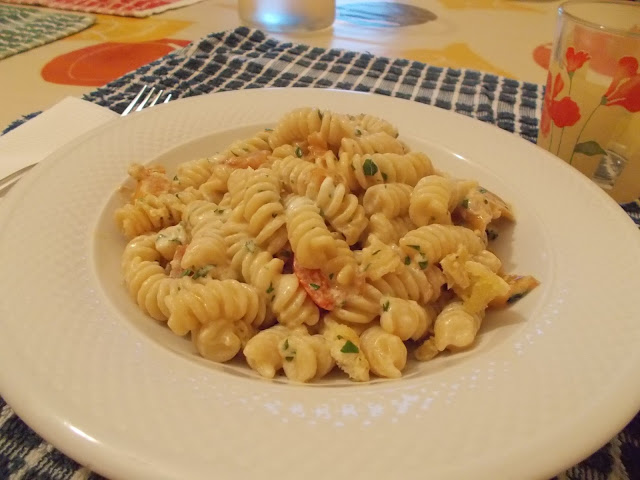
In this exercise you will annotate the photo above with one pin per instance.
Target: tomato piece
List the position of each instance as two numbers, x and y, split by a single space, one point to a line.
175 270
250 160
316 284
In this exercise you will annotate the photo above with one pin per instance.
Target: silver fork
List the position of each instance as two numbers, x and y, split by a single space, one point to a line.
148 101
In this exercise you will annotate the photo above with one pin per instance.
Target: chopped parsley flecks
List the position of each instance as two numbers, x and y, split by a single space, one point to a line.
407 260
187 273
385 306
516 296
423 264
270 289
465 203
315 286
384 176
369 167
349 347
298 152
202 272
415 247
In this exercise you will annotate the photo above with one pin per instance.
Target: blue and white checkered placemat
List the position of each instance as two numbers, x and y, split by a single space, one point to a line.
245 58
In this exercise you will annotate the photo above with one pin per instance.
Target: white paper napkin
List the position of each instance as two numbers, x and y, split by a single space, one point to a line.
42 135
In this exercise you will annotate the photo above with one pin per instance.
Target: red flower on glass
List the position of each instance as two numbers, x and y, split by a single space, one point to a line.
564 112
625 86
575 60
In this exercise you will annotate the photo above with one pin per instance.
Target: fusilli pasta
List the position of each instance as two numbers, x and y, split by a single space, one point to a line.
323 241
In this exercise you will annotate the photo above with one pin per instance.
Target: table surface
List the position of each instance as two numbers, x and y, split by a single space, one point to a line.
507 37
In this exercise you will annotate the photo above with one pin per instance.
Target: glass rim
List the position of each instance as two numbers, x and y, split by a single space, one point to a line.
562 11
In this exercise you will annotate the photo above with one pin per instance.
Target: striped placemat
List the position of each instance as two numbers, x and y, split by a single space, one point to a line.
23 28
126 8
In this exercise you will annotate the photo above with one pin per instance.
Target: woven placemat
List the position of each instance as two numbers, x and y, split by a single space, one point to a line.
23 28
125 8
245 58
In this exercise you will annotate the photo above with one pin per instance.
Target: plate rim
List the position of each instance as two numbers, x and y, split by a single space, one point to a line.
87 450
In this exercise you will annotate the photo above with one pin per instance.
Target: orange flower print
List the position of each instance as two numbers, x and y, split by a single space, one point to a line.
564 112
625 86
575 60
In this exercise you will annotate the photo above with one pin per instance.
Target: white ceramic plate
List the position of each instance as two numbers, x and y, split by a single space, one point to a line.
551 379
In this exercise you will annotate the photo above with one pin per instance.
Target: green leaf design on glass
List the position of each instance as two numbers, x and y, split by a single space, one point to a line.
589 148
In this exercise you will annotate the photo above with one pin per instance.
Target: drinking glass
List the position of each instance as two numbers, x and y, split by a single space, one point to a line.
591 110
287 15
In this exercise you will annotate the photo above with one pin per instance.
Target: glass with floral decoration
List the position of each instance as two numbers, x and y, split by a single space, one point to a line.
591 110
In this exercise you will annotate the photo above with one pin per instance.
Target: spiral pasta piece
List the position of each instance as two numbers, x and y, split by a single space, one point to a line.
169 239
344 345
339 207
385 352
150 286
391 199
454 327
206 247
379 142
291 304
373 124
214 188
262 351
207 300
193 173
200 213
378 258
257 267
308 235
221 340
305 357
405 318
298 124
142 246
342 210
360 307
150 180
364 171
410 282
256 143
388 230
152 213
262 209
432 243
430 200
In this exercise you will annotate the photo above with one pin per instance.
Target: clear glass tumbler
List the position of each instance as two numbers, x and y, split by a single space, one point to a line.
287 15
